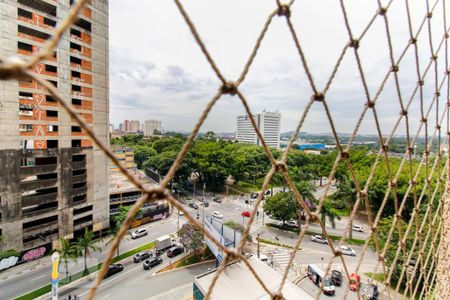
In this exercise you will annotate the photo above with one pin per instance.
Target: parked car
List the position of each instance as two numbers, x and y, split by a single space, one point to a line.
336 277
267 192
254 195
355 282
370 292
139 233
217 215
142 256
319 239
175 250
292 223
328 287
217 199
246 213
150 263
348 251
357 228
205 203
113 269
193 205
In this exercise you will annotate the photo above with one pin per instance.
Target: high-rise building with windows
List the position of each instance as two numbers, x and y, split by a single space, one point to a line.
267 122
53 179
152 127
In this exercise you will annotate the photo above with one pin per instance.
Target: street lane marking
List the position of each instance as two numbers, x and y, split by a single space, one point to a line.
36 278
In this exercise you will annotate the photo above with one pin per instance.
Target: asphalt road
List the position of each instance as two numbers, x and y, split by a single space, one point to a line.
13 286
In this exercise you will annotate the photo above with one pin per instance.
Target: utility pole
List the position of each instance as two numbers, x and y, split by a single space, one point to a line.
258 248
203 200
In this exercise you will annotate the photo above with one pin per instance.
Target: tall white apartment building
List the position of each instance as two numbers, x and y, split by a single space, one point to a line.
150 127
267 122
135 126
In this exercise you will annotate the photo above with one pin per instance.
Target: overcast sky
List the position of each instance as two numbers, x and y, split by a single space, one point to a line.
157 71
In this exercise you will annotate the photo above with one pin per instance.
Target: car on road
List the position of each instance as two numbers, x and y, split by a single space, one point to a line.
328 287
193 205
356 227
267 192
292 223
139 233
355 282
336 277
319 239
348 251
205 203
246 213
113 269
254 195
150 263
217 215
370 292
175 250
142 256
217 199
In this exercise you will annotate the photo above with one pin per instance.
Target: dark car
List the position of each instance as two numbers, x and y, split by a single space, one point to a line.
217 199
148 264
142 256
205 203
267 192
254 195
370 292
193 205
336 277
113 269
175 250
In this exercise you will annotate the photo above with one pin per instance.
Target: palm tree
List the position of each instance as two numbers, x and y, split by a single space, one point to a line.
346 192
68 251
306 190
86 245
328 212
114 234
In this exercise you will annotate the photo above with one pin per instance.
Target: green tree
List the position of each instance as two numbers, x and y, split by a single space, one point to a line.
68 251
86 245
122 215
166 144
327 212
346 193
190 237
142 154
281 206
114 234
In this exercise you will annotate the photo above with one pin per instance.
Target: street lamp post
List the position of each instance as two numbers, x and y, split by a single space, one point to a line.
203 200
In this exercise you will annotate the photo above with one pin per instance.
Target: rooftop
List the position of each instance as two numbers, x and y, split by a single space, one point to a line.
119 183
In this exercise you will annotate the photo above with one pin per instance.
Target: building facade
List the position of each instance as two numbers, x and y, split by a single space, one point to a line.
151 126
54 181
267 122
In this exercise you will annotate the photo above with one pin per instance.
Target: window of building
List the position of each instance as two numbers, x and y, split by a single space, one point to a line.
75 60
75 46
26 96
40 5
52 128
52 144
24 13
76 129
76 143
77 211
49 98
43 161
33 32
76 88
51 113
50 68
75 32
26 144
78 157
76 74
26 127
40 222
49 22
55 84
27 162
78 172
25 46
86 25
76 101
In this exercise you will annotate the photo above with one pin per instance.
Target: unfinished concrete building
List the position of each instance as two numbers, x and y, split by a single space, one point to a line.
53 180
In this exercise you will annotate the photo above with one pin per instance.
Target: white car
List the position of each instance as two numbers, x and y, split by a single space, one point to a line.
138 233
217 215
357 228
348 251
319 239
292 223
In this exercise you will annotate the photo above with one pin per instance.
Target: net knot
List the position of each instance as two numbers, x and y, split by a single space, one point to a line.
385 147
280 166
354 43
229 88
410 150
362 194
412 41
438 127
382 11
430 15
284 10
12 68
424 120
446 35
404 112
437 94
421 82
277 296
157 193
370 104
318 97
394 68
434 57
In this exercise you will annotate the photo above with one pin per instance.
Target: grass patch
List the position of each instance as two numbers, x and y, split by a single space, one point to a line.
234 225
377 276
47 288
275 243
189 260
357 242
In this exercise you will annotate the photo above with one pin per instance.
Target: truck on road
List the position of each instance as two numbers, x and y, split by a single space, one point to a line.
163 242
